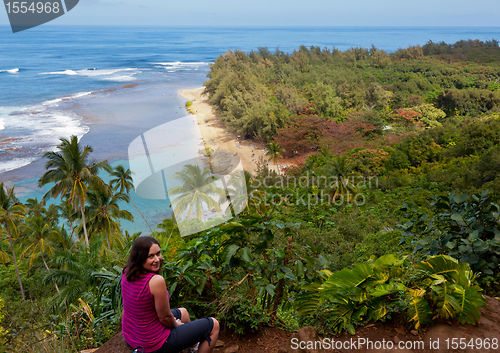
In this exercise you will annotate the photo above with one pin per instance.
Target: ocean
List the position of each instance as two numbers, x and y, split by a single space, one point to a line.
110 84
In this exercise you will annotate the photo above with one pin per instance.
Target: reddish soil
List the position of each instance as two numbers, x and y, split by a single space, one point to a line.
267 339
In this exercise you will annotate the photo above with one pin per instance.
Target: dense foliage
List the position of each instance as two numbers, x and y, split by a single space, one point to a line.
388 147
439 287
261 92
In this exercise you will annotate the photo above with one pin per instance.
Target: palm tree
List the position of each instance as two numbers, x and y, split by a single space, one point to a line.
4 256
314 161
325 152
67 211
38 240
273 152
104 210
35 208
73 274
241 191
340 169
197 188
123 182
72 173
10 213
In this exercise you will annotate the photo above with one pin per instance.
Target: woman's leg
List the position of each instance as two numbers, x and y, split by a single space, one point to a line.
204 347
187 335
184 315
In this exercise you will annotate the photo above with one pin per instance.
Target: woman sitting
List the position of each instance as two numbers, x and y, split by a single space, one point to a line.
148 321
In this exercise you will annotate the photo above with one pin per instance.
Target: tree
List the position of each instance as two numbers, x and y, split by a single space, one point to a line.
241 192
10 213
72 173
4 256
340 171
123 183
273 152
104 210
73 274
302 133
68 212
35 208
197 189
39 236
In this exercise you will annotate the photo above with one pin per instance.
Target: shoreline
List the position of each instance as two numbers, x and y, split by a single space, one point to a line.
100 115
218 138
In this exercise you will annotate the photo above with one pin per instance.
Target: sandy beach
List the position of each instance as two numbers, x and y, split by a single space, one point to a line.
220 139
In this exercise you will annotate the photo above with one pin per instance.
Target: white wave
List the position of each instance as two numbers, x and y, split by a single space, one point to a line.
4 115
124 78
53 101
29 132
93 72
12 71
179 63
104 72
65 72
81 94
65 98
61 125
181 66
15 163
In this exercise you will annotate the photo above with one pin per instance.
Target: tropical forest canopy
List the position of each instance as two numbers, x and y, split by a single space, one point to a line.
394 195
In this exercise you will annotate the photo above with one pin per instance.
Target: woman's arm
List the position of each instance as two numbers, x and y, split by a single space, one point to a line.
159 290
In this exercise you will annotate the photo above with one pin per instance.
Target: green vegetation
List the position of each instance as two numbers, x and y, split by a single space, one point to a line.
259 94
439 287
390 214
188 107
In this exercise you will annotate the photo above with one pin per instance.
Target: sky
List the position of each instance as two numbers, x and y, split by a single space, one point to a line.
281 13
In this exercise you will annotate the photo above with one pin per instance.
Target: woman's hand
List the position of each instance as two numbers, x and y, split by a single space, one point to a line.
178 322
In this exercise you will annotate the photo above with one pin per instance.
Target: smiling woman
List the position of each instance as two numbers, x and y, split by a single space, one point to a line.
148 323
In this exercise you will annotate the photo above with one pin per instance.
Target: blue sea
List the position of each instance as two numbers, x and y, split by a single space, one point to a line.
109 84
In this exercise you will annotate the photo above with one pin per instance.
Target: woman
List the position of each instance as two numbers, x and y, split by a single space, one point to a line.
148 321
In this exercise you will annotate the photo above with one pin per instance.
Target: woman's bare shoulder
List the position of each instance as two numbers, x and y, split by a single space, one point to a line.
157 280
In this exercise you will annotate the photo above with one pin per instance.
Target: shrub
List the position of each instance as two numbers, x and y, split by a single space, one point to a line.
429 115
439 287
465 227
300 135
467 102
2 330
241 315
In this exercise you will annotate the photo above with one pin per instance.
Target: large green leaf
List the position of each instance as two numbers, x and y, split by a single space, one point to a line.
349 278
307 302
469 300
385 289
229 252
446 304
388 260
377 309
342 313
419 312
447 266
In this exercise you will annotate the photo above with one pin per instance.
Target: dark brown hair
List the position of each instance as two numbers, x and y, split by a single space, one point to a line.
138 255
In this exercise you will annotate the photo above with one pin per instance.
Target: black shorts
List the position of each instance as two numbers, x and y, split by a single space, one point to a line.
187 335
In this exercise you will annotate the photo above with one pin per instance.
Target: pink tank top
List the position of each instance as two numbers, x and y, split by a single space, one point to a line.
140 324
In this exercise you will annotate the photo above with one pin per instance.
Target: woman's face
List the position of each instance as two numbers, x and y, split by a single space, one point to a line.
153 262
